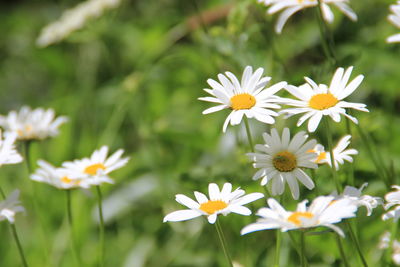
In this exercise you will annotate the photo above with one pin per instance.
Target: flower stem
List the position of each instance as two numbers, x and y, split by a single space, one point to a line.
101 221
303 258
246 123
341 250
27 149
278 247
355 241
71 228
351 166
327 46
330 148
223 243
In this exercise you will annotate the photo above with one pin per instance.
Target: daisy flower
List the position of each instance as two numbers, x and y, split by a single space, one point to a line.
37 124
58 177
219 202
339 153
292 6
281 161
95 170
8 153
320 100
355 195
323 211
395 19
10 206
392 199
247 98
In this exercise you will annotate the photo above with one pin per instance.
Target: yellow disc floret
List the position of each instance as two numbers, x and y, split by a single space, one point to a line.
284 161
92 169
242 101
323 101
295 217
211 206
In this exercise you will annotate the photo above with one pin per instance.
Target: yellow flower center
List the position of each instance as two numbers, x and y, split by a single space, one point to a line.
66 180
27 129
320 157
295 217
322 101
212 206
284 161
92 169
242 101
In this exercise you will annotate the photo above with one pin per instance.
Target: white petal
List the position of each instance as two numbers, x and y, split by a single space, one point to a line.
181 215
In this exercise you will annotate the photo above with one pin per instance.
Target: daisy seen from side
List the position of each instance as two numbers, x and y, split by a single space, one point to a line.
8 153
249 98
219 202
10 206
281 160
392 199
320 100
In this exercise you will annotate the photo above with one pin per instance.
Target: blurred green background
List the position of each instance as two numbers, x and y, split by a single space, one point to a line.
131 78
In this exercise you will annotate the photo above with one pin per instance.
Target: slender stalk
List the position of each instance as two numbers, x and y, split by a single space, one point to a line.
27 149
325 34
330 148
278 247
341 250
351 166
223 243
246 123
303 258
101 221
358 247
71 228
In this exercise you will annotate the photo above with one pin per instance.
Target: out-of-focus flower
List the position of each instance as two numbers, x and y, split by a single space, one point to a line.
10 206
73 19
292 6
37 124
8 153
220 202
95 170
395 19
281 161
392 199
247 98
317 101
354 194
339 153
384 240
323 211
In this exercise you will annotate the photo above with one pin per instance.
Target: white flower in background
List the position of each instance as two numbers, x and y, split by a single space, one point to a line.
28 124
281 161
8 153
95 170
395 19
247 98
339 153
323 211
290 7
396 252
392 199
58 177
73 19
384 240
317 101
220 202
10 206
355 195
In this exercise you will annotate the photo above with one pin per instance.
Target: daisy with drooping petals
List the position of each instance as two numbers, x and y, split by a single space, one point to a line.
293 6
247 98
220 202
37 124
317 101
281 161
339 153
8 153
323 211
10 206
392 199
395 19
95 170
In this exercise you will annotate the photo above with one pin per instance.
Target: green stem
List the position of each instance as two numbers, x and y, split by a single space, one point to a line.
330 148
278 247
27 149
351 166
324 32
71 228
355 241
246 123
303 258
223 243
341 250
101 221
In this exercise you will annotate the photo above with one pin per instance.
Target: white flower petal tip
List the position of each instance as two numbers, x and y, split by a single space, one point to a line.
394 18
323 211
8 152
249 97
392 199
10 207
317 101
222 201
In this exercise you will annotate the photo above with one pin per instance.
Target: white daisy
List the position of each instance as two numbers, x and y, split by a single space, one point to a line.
281 160
323 211
384 240
395 19
293 6
396 252
8 153
37 124
220 202
339 153
248 98
10 206
392 199
320 100
355 195
95 170
58 177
